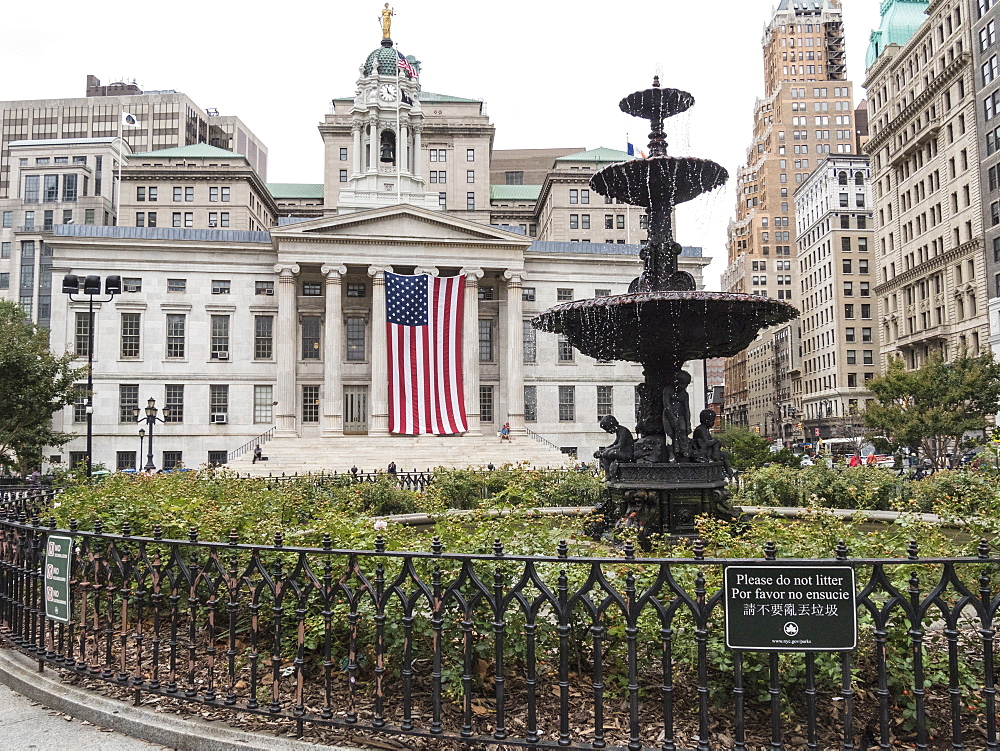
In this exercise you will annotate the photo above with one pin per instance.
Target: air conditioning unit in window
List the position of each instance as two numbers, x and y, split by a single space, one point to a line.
269 291
131 288
220 419
220 290
220 355
213 224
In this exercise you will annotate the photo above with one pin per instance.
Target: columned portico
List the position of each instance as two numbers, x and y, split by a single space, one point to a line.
287 323
333 346
515 352
378 401
470 349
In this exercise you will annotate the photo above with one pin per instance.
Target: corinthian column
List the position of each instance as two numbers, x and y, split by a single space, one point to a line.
333 346
285 349
515 352
470 349
378 396
356 160
373 145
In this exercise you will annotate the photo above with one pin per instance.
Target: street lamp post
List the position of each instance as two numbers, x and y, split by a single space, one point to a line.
91 289
142 438
150 419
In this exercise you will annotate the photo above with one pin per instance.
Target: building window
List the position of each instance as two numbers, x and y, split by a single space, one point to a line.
220 286
485 404
213 194
173 460
217 458
174 403
310 337
130 334
218 403
514 178
8 219
574 196
175 219
868 357
263 403
356 289
31 188
132 284
5 280
224 219
566 351
5 249
220 338
188 219
470 176
530 403
175 335
263 338
178 193
125 460
470 201
485 292
605 401
567 403
263 288
485 340
310 404
849 310
82 334
312 289
343 154
51 188
80 402
849 334
128 401
564 294
574 221
443 200
343 176
189 194
852 357
77 459
176 285
529 350
356 339
470 155
527 294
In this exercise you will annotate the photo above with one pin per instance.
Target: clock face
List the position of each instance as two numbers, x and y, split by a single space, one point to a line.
387 92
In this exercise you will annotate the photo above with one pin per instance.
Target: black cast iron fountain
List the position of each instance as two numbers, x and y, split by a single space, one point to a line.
667 476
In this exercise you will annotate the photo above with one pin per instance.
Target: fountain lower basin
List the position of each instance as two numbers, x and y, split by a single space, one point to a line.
677 325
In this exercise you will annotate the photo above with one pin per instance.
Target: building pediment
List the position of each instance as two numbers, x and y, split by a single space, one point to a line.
401 224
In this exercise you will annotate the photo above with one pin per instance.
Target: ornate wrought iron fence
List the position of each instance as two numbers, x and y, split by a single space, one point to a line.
548 651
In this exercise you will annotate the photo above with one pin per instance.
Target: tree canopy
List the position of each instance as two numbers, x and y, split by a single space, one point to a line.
934 407
34 384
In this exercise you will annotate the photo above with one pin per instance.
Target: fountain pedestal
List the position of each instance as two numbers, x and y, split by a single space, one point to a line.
665 498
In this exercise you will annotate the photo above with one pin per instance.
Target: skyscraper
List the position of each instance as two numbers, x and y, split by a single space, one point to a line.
805 113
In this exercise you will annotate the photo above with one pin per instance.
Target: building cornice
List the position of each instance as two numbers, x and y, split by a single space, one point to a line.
895 124
931 264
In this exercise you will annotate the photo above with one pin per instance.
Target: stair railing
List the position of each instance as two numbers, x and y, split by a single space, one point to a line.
249 445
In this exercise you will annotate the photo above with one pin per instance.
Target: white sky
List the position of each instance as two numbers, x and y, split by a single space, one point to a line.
551 72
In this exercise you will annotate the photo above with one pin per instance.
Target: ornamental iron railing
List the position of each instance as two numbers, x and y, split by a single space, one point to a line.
545 651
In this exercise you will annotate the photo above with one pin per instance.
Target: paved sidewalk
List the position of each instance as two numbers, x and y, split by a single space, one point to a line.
25 724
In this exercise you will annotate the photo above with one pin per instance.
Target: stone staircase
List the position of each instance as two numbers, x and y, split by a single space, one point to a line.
369 453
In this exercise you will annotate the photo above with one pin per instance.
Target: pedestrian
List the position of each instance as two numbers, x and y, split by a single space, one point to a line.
391 469
490 467
872 460
35 479
855 460
257 454
354 471
505 432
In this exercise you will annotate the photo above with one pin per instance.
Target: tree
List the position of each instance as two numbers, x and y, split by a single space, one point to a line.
933 407
745 448
34 384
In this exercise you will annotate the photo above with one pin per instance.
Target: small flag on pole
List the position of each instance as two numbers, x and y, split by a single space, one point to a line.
404 64
631 150
129 119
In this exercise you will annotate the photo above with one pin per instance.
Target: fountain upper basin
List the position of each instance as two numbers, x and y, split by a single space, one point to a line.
659 179
650 326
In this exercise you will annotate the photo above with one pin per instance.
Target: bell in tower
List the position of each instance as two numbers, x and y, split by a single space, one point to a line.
387 150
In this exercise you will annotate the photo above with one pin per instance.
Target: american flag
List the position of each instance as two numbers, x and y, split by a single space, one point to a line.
424 332
405 64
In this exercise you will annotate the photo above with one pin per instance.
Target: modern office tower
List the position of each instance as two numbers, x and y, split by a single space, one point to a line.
986 66
806 113
923 111
838 323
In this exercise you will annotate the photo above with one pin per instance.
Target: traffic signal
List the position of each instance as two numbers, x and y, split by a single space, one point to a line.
756 429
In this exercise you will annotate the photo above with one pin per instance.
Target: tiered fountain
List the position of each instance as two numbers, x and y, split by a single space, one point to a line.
665 478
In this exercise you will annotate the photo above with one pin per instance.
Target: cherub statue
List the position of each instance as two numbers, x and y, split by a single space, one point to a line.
622 450
706 447
677 416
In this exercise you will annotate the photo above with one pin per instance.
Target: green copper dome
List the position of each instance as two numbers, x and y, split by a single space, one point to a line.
900 19
385 58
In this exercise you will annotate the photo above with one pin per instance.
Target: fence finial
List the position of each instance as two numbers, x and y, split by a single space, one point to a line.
912 550
770 550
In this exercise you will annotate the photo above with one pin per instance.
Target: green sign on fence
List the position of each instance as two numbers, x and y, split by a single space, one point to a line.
790 608
58 559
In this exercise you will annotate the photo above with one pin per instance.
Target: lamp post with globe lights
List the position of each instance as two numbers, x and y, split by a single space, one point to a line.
150 418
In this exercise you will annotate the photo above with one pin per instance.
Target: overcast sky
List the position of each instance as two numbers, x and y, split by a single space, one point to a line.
551 72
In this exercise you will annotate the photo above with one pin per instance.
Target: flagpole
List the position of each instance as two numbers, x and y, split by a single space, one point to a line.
399 136
118 193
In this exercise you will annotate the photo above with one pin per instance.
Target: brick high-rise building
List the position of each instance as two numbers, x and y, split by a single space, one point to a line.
805 113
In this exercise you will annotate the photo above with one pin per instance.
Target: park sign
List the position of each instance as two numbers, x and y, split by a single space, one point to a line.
790 608
58 560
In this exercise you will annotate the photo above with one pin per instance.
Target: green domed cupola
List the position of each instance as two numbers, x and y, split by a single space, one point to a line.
384 59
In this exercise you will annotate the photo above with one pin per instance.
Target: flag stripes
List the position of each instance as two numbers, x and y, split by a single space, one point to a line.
424 336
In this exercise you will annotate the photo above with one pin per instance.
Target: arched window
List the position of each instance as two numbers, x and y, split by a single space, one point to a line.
859 178
842 178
